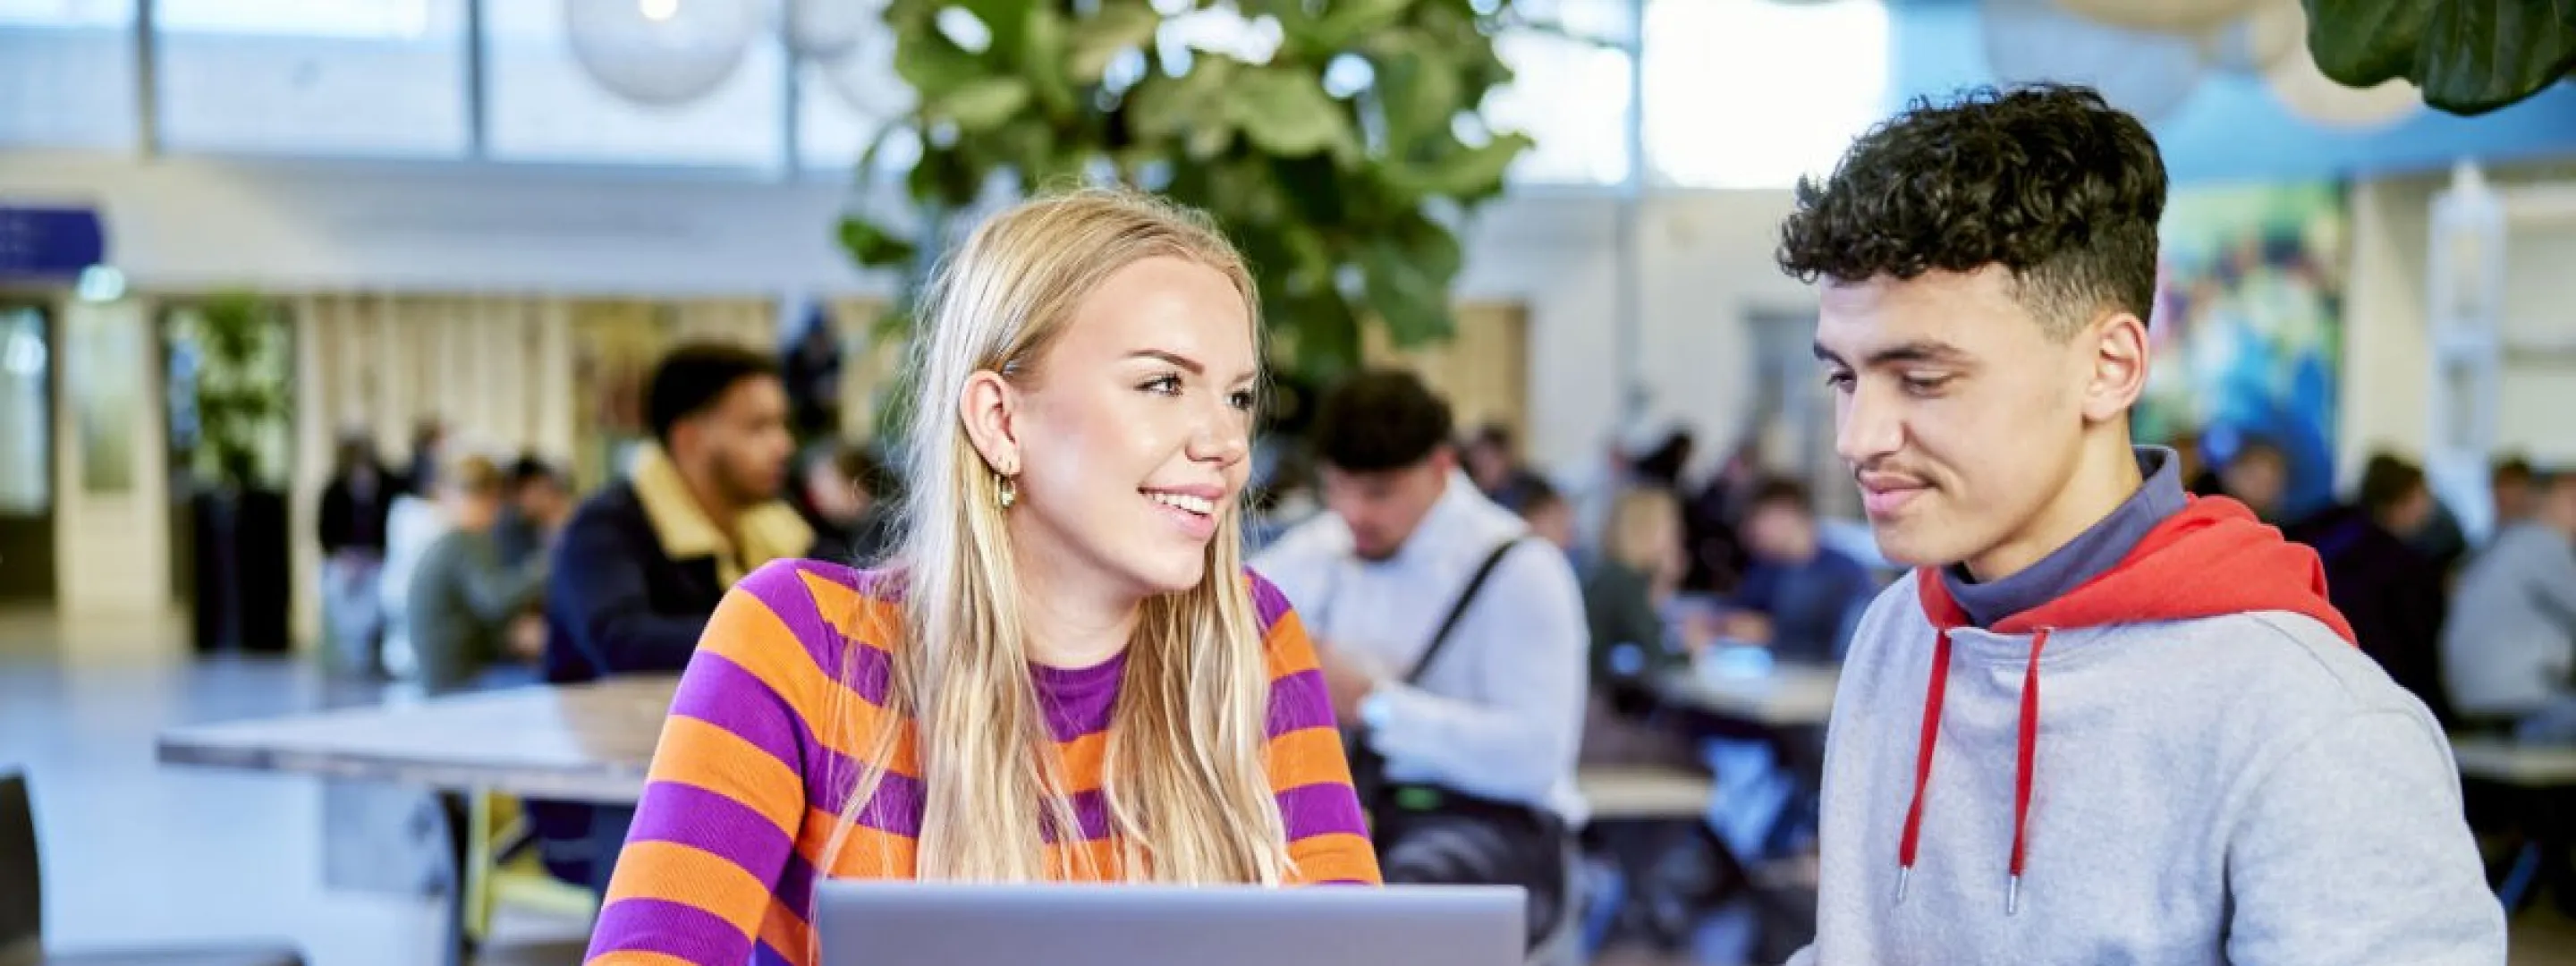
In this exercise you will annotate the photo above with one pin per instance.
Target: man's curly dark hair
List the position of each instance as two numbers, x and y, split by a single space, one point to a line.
2048 181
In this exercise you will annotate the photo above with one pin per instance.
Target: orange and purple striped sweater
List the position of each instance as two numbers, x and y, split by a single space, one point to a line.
719 867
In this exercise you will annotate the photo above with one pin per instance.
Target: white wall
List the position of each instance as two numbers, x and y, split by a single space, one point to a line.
111 543
2388 368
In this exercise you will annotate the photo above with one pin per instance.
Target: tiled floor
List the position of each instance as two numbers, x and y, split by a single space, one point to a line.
138 852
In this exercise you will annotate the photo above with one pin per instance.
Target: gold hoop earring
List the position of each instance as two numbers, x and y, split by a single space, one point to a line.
1009 492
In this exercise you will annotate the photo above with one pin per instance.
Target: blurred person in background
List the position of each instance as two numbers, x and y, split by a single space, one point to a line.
428 449
2393 595
1635 637
1493 460
1629 593
356 505
843 493
643 563
2258 475
540 501
1465 761
1714 519
1551 518
2509 652
470 613
2510 485
1799 597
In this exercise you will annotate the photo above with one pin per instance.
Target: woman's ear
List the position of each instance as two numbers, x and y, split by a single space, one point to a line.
989 405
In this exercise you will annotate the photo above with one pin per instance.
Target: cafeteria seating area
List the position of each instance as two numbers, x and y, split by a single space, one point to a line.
294 294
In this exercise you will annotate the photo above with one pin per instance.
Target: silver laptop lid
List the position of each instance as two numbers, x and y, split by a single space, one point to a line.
917 924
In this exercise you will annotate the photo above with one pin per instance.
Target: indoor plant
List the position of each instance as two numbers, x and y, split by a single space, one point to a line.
1338 143
2469 56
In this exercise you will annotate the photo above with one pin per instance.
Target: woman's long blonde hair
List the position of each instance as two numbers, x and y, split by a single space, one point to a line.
1184 774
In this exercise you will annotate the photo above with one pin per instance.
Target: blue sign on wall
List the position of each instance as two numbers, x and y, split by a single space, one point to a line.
2231 127
49 243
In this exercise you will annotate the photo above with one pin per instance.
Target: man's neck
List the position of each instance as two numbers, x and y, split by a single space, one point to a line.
721 513
2104 478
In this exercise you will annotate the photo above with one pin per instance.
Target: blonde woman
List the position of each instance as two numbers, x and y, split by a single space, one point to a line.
1623 603
1064 673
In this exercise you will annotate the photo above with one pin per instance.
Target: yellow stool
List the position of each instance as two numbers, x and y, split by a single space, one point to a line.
495 826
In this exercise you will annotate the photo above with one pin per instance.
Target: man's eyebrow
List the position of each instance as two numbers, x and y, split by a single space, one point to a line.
1919 350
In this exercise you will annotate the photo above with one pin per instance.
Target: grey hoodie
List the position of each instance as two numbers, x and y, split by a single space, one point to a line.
2215 775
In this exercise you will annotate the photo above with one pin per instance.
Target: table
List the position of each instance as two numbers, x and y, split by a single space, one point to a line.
1788 695
587 743
2540 780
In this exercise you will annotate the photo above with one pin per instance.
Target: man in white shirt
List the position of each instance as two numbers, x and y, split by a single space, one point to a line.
1479 743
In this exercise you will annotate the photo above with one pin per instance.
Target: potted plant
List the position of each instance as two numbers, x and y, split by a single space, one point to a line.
237 344
1339 144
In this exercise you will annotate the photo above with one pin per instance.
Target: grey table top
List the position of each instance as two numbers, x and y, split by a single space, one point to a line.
1788 695
589 742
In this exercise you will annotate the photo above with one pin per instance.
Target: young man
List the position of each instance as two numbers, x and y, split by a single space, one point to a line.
1478 747
1800 597
2511 649
2101 721
641 566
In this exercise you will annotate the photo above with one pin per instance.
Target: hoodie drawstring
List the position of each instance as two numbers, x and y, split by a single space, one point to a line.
2027 755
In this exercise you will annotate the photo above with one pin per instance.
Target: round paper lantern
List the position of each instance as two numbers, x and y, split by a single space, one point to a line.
864 78
661 52
826 29
2274 30
2145 73
2172 16
2310 94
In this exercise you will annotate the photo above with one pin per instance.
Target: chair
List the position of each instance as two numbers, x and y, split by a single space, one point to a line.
22 907
501 867
1563 944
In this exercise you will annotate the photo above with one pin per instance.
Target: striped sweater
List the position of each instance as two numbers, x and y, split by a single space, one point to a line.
746 784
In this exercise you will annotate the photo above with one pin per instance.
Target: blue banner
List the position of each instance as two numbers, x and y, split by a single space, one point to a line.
49 243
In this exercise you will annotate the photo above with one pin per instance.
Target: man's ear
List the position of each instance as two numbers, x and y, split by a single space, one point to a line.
989 406
2119 357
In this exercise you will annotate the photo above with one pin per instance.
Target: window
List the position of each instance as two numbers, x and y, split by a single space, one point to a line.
1754 93
333 77
545 106
67 73
842 104
1572 95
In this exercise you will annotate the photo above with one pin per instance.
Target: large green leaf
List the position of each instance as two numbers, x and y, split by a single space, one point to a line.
935 66
1165 107
1474 173
1407 289
872 245
982 105
1418 87
1045 39
2469 56
1346 22
1285 111
1120 26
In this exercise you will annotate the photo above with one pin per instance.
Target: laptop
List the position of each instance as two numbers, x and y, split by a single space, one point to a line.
904 924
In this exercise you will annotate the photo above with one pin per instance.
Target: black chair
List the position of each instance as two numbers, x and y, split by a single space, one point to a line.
22 907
